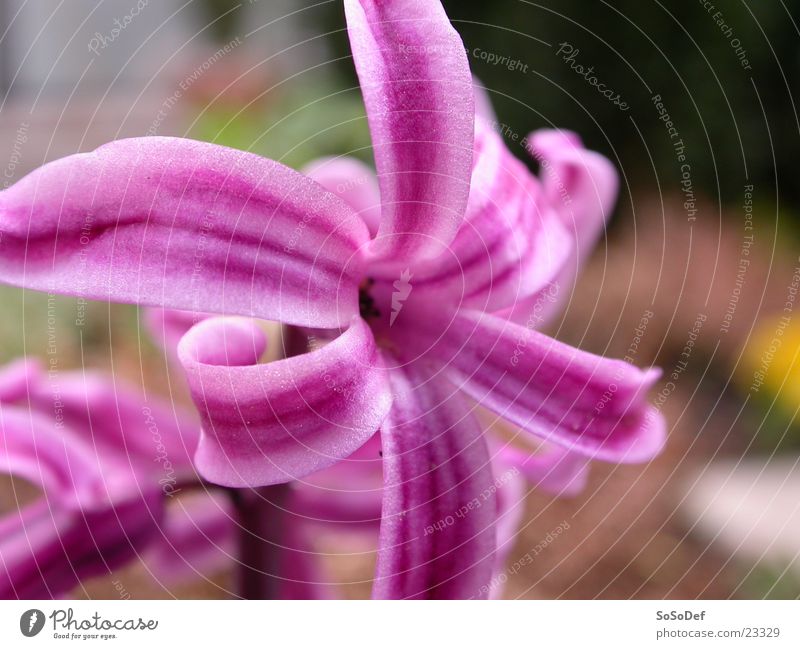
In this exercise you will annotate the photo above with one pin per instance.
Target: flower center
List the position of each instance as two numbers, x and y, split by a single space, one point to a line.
366 303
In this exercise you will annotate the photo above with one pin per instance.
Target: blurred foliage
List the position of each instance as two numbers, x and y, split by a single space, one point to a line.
315 119
66 332
767 581
640 49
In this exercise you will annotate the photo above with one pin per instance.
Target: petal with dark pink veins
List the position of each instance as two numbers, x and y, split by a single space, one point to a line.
276 422
437 537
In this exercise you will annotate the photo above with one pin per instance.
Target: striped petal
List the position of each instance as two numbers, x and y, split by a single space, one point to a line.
16 377
512 244
418 92
34 448
353 182
46 550
581 184
586 403
155 439
186 225
582 187
437 536
272 423
91 519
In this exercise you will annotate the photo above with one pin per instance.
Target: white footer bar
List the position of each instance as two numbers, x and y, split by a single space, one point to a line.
235 624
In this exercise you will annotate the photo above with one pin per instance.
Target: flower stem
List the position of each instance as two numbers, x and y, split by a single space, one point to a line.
261 517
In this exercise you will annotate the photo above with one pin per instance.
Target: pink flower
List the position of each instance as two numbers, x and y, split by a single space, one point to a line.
109 464
476 242
93 449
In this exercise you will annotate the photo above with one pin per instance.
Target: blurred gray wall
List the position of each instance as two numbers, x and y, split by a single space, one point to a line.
78 73
50 45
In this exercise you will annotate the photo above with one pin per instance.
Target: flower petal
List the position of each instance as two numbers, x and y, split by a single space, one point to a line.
510 509
46 550
16 377
268 424
418 92
581 184
553 469
586 403
484 110
349 493
198 539
155 440
34 448
437 537
352 181
186 225
91 519
582 187
512 244
167 326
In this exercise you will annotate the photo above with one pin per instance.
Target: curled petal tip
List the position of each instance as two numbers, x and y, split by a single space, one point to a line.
272 423
229 341
650 439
